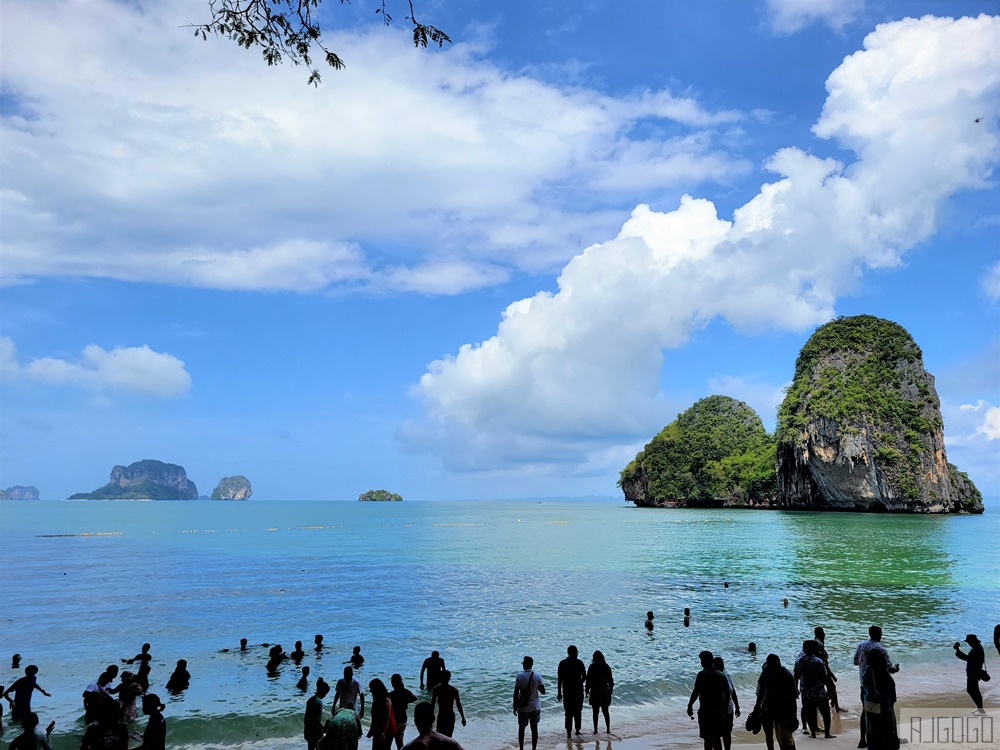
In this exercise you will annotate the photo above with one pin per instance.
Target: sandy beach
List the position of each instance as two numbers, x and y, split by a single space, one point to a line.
952 704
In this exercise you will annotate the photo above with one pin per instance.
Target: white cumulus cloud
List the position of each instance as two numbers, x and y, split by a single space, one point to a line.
789 16
988 424
134 369
576 370
165 158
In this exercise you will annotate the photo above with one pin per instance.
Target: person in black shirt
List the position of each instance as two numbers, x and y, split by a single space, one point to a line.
155 736
433 665
711 690
974 662
110 732
572 675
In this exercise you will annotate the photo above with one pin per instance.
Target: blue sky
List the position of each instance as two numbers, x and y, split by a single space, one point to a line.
488 271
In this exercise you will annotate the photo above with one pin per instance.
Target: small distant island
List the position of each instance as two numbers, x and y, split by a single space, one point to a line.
144 480
379 496
233 488
19 492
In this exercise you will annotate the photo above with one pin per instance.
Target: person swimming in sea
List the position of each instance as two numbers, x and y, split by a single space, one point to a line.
298 654
303 683
357 660
687 617
180 680
649 620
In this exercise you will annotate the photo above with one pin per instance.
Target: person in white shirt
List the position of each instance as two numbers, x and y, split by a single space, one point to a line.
528 687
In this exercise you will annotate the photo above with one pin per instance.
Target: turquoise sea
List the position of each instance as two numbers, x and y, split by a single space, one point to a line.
84 584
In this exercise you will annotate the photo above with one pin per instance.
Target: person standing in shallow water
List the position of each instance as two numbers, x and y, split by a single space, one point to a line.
155 736
975 660
433 665
31 738
810 671
400 698
180 680
600 686
572 675
649 620
447 699
383 723
312 728
22 690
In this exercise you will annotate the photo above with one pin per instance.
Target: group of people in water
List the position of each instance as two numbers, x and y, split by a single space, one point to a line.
108 707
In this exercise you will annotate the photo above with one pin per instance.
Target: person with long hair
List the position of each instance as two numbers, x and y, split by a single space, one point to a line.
383 726
155 736
600 684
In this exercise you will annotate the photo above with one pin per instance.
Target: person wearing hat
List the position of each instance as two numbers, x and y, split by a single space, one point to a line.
974 662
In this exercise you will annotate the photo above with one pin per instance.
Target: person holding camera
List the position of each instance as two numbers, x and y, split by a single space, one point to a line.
975 660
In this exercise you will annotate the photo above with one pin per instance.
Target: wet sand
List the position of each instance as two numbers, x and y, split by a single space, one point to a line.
683 733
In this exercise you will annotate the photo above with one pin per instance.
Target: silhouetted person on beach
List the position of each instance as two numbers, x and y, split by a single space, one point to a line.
649 620
155 736
383 723
109 733
342 731
318 641
349 693
831 683
298 654
861 656
428 739
447 699
180 680
711 690
733 708
357 660
312 728
751 648
572 675
93 695
811 674
996 639
401 698
32 738
528 687
600 685
878 691
975 660
303 683
776 699
22 690
433 665
15 660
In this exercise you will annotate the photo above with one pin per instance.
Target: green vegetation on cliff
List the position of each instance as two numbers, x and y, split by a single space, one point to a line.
717 449
380 496
859 371
145 490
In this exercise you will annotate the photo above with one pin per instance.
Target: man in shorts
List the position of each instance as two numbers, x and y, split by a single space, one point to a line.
528 686
711 690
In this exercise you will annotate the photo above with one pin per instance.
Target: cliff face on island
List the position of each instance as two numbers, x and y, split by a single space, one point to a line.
860 429
19 492
714 454
379 496
144 480
233 488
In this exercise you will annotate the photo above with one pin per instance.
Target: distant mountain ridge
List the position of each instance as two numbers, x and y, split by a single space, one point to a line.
19 492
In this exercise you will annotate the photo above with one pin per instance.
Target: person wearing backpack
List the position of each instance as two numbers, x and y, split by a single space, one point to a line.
528 687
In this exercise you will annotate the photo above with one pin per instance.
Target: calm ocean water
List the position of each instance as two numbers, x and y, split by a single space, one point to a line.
86 583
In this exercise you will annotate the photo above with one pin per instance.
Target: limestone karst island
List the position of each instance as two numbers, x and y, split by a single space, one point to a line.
155 480
379 496
860 429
